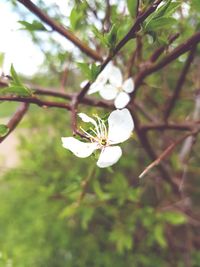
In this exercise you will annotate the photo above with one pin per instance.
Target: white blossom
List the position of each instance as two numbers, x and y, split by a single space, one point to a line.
120 127
111 86
101 80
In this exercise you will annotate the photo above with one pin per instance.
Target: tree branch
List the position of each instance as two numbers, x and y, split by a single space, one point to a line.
173 55
16 118
136 26
60 29
38 90
36 101
158 52
142 136
168 126
167 152
179 84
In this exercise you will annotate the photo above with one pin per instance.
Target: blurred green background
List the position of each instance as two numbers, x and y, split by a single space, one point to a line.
57 210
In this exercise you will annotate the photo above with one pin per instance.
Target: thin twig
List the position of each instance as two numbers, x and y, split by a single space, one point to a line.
167 152
15 119
179 84
142 136
173 55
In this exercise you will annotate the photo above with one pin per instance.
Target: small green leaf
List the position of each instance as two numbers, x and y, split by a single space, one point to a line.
14 76
162 10
122 239
34 26
95 69
112 36
74 18
16 90
1 59
69 211
160 23
90 71
162 15
132 5
98 191
85 69
175 218
160 236
3 130
16 87
102 38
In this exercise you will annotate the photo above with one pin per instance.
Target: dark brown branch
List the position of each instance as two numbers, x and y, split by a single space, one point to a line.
36 101
87 100
158 52
179 84
137 11
173 55
60 29
168 126
16 118
38 90
136 26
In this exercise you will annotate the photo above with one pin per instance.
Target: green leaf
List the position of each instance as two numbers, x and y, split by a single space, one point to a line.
162 15
121 238
1 59
112 36
90 71
162 10
75 17
34 26
16 90
85 69
160 236
16 87
160 23
14 76
69 211
86 214
132 5
174 218
95 69
102 38
3 130
97 189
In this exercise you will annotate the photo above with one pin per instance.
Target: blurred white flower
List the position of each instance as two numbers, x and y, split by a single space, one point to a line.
110 86
101 80
120 127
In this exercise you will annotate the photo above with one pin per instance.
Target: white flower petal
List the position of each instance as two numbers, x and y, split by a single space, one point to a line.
86 118
95 87
109 156
83 83
108 92
121 125
78 148
128 86
115 76
104 75
122 100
